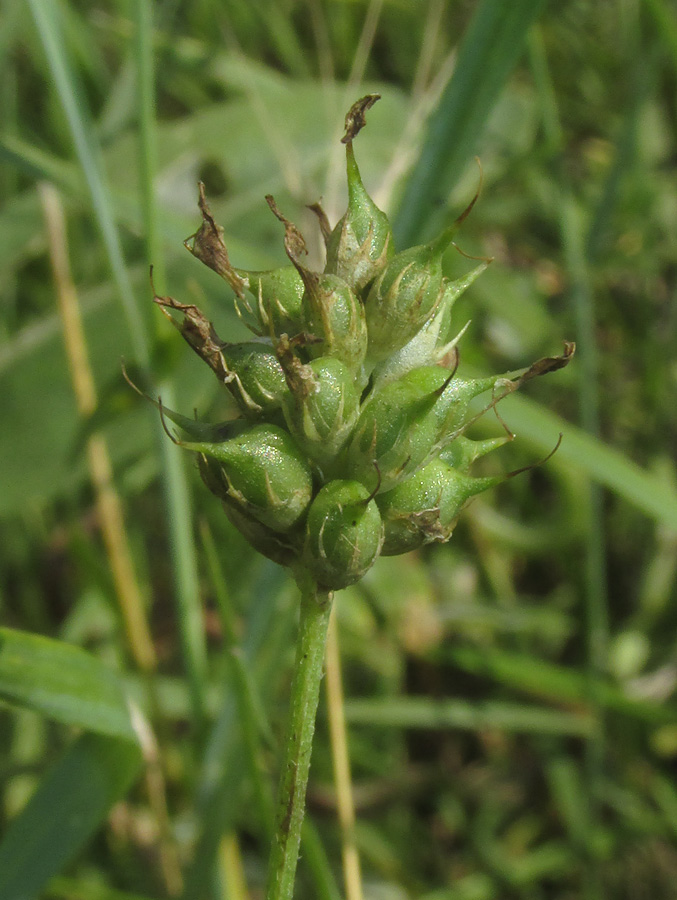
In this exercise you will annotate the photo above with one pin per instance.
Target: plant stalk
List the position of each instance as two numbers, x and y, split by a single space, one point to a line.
305 692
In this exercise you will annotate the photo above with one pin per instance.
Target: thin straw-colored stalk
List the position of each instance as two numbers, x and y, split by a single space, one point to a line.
305 693
341 759
108 503
111 517
232 869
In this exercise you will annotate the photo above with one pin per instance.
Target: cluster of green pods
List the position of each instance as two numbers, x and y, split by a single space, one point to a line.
350 442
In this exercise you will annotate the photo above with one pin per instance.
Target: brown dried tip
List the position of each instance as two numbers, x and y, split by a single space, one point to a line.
294 243
355 120
485 259
199 332
549 363
208 246
325 227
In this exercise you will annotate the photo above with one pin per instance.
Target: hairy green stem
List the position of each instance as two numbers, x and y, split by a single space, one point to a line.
305 691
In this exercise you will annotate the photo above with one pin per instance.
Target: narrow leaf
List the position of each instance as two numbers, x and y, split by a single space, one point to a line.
422 712
63 682
491 47
69 805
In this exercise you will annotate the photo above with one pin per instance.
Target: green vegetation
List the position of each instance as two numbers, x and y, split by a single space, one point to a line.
510 695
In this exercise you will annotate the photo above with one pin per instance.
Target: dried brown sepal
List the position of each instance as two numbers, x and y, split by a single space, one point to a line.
355 118
549 363
485 259
325 227
199 332
509 385
294 242
295 247
207 245
299 376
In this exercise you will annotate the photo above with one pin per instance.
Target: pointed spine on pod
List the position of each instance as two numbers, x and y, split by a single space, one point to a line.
403 421
362 242
430 345
407 293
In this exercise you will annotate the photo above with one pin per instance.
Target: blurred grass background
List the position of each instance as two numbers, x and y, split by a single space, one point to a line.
510 696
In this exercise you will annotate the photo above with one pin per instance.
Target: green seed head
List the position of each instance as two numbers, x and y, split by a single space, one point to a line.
278 296
255 378
350 439
250 370
430 345
344 534
334 314
407 293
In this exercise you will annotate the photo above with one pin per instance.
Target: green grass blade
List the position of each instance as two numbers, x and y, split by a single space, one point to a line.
490 49
61 888
547 680
606 465
37 163
424 712
63 682
70 803
46 18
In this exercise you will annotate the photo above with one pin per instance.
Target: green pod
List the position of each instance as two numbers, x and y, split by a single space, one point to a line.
250 369
362 242
254 377
344 534
450 412
321 406
284 549
424 508
262 474
406 294
429 345
335 315
405 421
278 296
